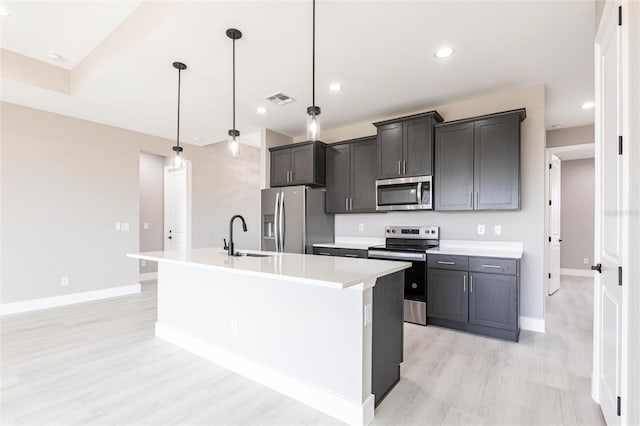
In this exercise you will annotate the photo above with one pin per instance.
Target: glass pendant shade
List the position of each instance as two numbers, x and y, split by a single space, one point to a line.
234 142
313 123
177 161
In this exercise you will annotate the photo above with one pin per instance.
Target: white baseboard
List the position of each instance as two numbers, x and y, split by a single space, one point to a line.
67 299
344 409
576 272
146 276
532 324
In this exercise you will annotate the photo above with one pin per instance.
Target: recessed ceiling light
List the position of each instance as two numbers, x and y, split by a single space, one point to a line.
4 13
54 56
587 105
556 126
444 52
262 110
335 87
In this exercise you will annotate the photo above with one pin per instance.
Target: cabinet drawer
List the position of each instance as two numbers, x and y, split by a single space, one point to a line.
493 265
445 261
328 251
354 253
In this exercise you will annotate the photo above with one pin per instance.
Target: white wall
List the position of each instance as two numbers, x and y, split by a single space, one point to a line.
526 225
577 213
151 206
66 182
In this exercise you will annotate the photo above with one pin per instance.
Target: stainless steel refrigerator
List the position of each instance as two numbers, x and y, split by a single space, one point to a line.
293 219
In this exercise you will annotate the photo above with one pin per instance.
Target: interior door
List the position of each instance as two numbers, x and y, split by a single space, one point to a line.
554 225
176 216
609 218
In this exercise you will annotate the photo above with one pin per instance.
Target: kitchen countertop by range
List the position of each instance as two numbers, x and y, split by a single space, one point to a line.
323 271
502 249
356 243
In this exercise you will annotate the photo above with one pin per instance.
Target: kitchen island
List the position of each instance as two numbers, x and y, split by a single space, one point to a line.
326 331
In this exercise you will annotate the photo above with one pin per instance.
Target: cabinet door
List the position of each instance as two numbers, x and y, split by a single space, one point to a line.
447 295
302 165
497 163
418 147
453 179
493 300
338 160
280 167
390 150
363 176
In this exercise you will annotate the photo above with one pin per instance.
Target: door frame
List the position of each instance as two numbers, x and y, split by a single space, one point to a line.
187 166
630 357
575 152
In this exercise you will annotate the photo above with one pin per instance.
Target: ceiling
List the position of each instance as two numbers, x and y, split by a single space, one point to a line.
119 54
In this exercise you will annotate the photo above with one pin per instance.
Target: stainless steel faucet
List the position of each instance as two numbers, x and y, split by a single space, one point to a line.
244 228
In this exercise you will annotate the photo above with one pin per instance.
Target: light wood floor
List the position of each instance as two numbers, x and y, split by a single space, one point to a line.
99 363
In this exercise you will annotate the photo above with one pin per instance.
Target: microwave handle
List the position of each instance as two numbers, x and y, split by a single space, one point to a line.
419 193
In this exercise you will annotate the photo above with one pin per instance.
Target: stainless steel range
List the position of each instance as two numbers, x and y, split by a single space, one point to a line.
409 244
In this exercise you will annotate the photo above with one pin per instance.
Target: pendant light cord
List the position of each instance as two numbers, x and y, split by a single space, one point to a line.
234 84
178 134
313 58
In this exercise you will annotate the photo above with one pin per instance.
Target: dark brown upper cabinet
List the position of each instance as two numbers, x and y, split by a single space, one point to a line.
405 145
477 162
351 176
298 164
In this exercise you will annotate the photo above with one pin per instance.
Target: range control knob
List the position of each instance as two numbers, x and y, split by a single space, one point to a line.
393 231
433 231
414 285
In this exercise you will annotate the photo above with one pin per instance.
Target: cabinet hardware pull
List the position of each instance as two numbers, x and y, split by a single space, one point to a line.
324 253
346 204
442 262
350 204
492 266
399 165
404 167
464 283
476 198
471 287
471 199
350 255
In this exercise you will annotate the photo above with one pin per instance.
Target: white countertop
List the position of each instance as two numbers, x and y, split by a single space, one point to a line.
504 249
356 243
324 271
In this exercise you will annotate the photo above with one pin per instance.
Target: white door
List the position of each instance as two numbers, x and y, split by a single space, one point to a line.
554 225
177 207
608 295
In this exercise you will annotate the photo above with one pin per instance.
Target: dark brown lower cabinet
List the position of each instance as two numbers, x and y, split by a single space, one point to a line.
482 298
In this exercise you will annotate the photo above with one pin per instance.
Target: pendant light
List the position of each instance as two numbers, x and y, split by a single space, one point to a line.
234 135
313 112
177 160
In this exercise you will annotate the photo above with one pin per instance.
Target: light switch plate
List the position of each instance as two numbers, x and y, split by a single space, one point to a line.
143 263
497 229
480 229
586 260
64 281
118 226
145 225
124 227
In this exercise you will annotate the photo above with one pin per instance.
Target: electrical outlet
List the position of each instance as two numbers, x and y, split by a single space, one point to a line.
145 225
497 229
480 229
361 227
64 281
124 227
234 327
585 260
143 263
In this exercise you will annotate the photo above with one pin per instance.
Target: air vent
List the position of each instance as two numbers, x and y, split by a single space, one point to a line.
280 99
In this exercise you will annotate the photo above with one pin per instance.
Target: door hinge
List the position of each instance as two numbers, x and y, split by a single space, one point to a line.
549 239
549 166
549 202
619 15
620 275
620 145
619 406
549 275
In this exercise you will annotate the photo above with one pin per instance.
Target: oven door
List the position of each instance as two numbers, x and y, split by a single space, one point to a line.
403 193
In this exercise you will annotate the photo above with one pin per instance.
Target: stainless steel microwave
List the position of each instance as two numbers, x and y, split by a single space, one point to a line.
412 193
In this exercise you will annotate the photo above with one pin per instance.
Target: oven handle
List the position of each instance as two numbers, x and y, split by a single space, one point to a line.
382 254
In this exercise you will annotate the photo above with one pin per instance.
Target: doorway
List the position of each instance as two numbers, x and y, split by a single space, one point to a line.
177 207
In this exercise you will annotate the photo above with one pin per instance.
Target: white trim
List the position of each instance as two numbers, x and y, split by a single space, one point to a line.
532 324
146 276
344 409
67 299
571 149
576 272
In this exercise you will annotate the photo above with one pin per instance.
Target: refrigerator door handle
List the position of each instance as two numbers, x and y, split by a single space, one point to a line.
275 222
282 222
